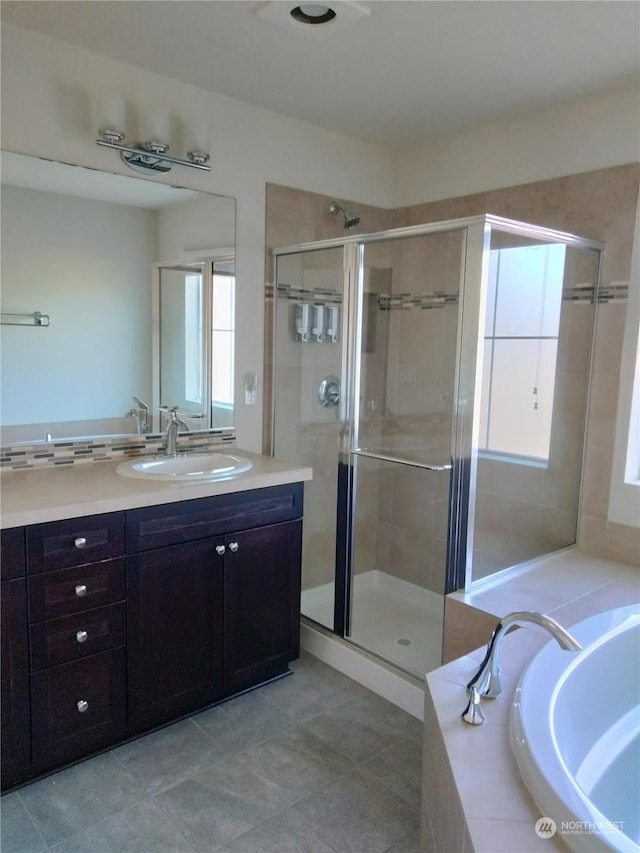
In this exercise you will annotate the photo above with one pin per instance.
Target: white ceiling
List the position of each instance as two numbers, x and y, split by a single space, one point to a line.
402 73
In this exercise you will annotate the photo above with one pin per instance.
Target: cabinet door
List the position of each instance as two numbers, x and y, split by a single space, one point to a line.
262 602
15 747
175 630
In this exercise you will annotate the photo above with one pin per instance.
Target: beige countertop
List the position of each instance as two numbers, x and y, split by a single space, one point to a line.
91 488
474 800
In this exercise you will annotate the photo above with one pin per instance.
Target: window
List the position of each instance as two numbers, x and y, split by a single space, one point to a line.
193 338
624 496
520 349
223 337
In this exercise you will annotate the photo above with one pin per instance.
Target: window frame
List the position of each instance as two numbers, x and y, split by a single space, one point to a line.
624 492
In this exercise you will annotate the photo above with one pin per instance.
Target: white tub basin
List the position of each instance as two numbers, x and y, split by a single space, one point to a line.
575 730
185 467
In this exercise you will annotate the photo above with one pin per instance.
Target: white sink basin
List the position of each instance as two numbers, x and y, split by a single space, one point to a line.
185 466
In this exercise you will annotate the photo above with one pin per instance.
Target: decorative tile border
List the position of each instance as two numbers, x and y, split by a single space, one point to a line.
321 295
424 301
386 301
56 453
615 291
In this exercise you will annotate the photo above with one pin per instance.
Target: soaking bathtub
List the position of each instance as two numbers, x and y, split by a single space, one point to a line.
575 731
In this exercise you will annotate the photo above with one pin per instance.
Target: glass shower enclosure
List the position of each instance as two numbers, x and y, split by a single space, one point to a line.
426 374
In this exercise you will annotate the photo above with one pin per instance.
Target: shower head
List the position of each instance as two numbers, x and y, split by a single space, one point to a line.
350 219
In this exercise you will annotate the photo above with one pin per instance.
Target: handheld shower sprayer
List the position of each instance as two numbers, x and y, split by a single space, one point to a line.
350 219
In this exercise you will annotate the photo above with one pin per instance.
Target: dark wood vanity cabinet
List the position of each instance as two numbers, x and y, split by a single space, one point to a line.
77 637
176 631
217 612
114 624
15 740
262 602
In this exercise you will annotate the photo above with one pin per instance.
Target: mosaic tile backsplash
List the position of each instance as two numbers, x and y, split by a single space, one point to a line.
43 454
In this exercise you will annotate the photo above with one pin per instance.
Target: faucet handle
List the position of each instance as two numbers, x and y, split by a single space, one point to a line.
170 413
473 713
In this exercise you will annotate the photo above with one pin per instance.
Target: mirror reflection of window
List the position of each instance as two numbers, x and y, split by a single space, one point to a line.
193 339
223 343
520 349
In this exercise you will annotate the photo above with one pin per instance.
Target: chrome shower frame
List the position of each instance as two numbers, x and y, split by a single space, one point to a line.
474 275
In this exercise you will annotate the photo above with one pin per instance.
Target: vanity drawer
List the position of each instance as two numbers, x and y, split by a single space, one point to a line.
78 707
74 541
202 518
76 636
65 591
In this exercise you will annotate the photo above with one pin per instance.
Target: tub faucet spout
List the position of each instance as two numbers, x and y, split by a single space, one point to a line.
486 682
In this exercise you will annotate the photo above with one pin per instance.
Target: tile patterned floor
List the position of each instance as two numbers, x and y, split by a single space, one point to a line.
313 763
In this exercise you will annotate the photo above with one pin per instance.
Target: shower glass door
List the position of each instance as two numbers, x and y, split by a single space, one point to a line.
307 403
404 382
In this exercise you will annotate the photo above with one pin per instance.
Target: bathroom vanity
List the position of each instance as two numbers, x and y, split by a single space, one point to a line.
114 623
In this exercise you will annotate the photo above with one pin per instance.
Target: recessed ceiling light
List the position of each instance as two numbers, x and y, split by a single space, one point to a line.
312 13
318 19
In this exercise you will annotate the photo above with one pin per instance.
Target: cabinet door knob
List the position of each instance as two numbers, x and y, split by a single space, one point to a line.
220 549
81 590
80 542
82 706
233 546
82 636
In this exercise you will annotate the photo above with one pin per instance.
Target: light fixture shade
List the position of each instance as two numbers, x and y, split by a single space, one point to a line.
156 125
197 135
112 110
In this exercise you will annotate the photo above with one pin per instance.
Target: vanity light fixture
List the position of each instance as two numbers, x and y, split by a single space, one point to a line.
150 155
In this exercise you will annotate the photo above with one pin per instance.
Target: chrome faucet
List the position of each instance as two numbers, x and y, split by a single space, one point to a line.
486 682
141 414
173 427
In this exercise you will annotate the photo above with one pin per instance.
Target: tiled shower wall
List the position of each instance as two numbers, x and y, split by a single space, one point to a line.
305 430
308 432
601 206
410 326
409 524
598 205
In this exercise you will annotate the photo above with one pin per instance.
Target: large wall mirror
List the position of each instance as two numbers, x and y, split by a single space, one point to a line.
85 257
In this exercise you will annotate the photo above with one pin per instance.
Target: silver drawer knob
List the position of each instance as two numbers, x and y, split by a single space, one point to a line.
220 549
80 542
82 636
233 546
81 590
82 706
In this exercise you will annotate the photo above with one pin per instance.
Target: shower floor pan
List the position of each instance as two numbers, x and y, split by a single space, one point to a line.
397 620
